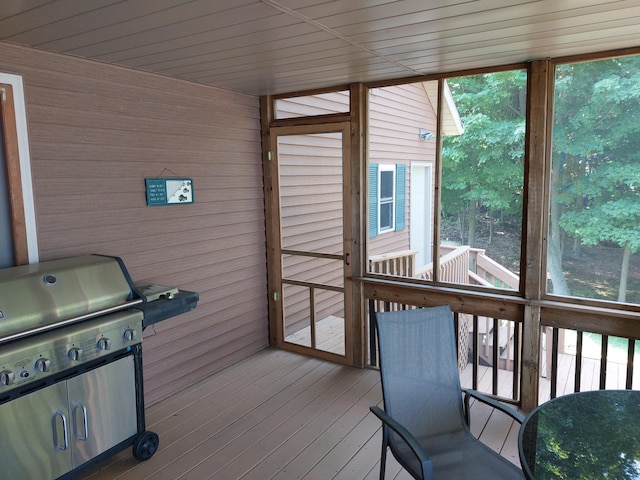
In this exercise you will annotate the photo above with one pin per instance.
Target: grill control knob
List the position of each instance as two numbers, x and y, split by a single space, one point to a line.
43 365
104 344
129 334
7 377
74 354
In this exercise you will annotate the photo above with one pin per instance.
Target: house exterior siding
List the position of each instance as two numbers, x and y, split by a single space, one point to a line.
396 115
96 132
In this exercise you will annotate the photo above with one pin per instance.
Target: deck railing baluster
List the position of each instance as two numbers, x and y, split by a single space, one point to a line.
456 326
516 359
475 357
630 357
496 356
604 349
578 372
554 363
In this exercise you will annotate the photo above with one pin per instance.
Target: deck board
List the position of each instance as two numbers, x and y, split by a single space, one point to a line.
277 415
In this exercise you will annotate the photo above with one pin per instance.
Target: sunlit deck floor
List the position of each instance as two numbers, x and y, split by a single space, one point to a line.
278 415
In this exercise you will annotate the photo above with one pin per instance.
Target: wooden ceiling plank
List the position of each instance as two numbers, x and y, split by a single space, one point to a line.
269 58
161 34
268 46
470 51
96 25
529 25
486 21
462 37
270 49
280 38
34 19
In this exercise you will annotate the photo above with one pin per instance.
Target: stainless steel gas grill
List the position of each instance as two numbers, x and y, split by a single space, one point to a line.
71 389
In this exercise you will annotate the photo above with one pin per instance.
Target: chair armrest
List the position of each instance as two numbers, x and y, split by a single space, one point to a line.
408 438
468 393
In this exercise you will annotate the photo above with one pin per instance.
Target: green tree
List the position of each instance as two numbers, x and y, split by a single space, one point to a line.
482 170
596 164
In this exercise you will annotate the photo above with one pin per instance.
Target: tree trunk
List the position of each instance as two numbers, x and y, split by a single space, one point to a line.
490 228
554 267
624 274
554 247
472 223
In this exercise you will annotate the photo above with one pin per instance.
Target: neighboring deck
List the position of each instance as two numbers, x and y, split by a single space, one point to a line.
278 415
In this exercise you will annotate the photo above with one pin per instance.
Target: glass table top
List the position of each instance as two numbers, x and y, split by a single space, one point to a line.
583 436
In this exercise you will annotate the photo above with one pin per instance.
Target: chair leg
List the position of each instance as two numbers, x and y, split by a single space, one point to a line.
383 456
383 463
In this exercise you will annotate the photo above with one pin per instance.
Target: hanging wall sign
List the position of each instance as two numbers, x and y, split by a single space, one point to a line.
169 191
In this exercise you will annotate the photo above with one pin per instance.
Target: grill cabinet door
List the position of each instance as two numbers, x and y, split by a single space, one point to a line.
34 435
102 406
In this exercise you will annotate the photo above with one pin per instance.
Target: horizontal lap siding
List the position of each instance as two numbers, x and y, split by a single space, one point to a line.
95 133
311 189
396 115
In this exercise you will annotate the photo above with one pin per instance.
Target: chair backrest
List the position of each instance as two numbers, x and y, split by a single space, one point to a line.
418 367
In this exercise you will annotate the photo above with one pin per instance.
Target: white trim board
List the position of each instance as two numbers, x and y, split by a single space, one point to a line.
25 162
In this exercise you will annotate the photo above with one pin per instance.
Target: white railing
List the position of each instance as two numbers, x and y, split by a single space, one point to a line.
401 263
454 267
463 265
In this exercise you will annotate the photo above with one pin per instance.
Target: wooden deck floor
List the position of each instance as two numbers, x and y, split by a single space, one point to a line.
278 415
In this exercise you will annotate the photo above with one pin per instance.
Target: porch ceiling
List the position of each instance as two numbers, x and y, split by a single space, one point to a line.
265 46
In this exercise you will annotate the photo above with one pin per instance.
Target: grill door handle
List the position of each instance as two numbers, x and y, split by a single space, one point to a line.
85 424
65 434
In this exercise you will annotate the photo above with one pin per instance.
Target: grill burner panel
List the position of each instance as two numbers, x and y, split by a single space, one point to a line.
40 356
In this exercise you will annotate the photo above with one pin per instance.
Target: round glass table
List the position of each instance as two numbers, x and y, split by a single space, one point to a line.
583 436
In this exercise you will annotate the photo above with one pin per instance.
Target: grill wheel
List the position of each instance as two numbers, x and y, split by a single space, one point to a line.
145 445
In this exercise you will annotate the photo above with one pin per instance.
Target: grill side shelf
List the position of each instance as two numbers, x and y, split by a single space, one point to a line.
164 308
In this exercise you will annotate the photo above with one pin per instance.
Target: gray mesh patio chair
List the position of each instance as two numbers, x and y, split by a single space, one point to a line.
424 421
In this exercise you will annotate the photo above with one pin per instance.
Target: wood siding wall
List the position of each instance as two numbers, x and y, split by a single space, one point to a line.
95 133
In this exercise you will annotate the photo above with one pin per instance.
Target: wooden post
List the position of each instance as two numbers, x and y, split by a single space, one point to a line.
358 208
536 167
14 177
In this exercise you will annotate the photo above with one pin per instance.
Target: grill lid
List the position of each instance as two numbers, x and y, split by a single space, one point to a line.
42 296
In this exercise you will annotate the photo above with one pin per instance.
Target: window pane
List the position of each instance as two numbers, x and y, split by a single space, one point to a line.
482 128
386 185
482 181
386 216
397 115
594 216
309 105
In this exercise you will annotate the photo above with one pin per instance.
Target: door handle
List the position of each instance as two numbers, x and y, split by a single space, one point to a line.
85 424
346 259
65 433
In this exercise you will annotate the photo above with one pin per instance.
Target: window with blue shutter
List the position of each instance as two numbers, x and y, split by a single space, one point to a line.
387 198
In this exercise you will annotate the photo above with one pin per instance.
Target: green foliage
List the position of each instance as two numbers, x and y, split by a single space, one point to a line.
596 145
610 207
595 154
485 164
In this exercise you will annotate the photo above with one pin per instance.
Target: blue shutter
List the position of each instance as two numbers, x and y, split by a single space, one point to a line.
401 181
373 200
